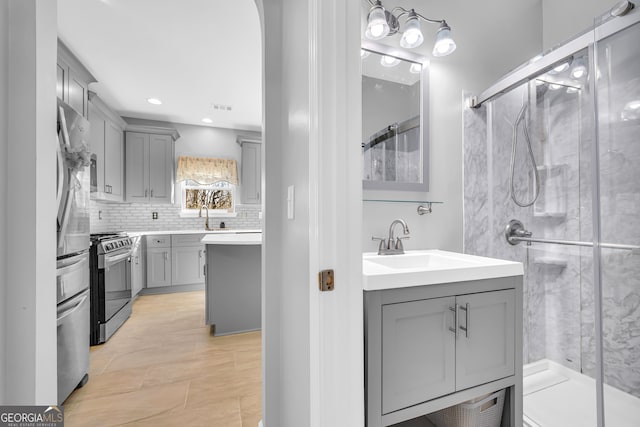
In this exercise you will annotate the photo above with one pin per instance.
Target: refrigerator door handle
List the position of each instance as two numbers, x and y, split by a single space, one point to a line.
76 306
60 175
69 267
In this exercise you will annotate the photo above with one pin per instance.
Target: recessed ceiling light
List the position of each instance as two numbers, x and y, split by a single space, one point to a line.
207 120
154 101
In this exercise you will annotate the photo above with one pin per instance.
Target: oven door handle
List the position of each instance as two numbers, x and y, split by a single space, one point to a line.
73 309
108 262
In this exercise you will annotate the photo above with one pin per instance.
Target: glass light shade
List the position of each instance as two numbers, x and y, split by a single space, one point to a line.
412 36
364 53
377 26
579 70
389 61
560 68
572 89
444 44
415 68
555 86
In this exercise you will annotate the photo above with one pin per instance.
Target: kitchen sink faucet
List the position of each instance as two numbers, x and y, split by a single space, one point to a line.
206 222
393 246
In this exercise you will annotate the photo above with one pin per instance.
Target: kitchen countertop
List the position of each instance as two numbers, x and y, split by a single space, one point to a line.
233 239
196 231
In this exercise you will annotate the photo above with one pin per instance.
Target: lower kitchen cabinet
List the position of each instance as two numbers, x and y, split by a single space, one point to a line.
175 260
158 261
187 265
429 347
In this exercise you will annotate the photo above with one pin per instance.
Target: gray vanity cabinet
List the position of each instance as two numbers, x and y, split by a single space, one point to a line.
486 350
430 347
418 352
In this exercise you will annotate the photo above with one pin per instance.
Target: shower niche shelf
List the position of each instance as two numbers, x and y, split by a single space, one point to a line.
552 200
550 261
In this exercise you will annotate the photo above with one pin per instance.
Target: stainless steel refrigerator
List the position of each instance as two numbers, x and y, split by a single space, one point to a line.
72 195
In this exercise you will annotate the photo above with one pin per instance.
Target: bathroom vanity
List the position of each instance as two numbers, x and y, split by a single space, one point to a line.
441 328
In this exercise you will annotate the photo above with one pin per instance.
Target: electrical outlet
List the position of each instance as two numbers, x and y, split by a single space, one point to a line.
154 215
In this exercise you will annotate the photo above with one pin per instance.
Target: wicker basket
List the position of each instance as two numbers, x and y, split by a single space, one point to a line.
485 411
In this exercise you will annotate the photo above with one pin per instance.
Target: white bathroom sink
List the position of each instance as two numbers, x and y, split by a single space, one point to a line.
428 267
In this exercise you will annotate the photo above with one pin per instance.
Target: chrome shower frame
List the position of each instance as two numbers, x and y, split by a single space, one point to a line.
622 16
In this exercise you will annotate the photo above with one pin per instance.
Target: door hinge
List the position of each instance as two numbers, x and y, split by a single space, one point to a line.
325 279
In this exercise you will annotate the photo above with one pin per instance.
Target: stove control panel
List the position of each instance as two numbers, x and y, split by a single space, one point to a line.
116 244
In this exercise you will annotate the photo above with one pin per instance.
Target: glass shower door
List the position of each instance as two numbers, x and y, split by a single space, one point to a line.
618 103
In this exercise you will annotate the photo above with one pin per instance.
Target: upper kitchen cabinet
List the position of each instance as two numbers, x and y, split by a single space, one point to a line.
72 84
107 143
251 175
149 164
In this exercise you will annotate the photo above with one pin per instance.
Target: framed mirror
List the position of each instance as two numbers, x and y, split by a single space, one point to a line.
395 99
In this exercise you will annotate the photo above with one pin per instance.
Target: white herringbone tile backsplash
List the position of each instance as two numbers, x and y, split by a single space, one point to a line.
138 217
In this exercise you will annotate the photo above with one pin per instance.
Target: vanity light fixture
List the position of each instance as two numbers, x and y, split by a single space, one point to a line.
364 53
415 68
579 69
207 120
389 61
382 23
154 101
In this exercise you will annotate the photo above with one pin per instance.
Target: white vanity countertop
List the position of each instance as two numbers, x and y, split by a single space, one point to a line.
233 239
429 267
197 231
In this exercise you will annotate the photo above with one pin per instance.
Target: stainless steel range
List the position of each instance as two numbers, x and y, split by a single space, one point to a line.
110 263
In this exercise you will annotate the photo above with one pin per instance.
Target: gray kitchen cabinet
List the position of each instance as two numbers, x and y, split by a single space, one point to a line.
188 259
149 161
107 144
430 347
174 261
72 80
158 261
251 174
137 266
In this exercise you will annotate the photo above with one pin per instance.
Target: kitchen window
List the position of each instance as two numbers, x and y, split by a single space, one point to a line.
219 198
207 182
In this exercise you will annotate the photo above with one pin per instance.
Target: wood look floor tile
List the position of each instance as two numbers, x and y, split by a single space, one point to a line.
164 367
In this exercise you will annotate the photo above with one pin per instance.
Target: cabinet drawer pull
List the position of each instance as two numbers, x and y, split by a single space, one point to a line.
146 192
465 328
151 193
455 320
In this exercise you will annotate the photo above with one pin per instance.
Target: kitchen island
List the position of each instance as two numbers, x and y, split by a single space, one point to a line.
233 282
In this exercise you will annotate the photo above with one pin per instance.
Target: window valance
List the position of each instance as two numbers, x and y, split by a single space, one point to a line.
206 170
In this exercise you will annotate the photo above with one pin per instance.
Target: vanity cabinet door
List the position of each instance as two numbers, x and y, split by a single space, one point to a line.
418 352
485 352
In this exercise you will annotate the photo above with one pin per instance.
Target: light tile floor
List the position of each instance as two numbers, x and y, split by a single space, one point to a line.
164 368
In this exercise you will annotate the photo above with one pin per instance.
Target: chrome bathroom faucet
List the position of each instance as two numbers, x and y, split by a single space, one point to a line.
393 245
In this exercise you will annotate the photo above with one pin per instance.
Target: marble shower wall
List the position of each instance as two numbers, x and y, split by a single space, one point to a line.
558 283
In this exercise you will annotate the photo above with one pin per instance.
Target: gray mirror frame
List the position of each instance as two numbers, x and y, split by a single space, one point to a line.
424 117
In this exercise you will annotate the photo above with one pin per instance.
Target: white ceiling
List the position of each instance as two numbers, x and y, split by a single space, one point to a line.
191 54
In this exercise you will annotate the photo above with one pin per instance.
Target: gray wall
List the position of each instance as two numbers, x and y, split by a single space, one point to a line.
484 54
30 339
286 353
564 19
4 72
